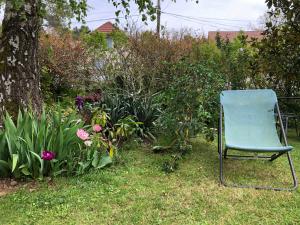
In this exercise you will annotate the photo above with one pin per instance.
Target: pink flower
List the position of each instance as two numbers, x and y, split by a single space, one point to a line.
82 134
97 128
48 155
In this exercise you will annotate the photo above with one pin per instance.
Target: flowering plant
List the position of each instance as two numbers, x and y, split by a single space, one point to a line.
47 155
82 134
43 146
99 150
79 102
97 128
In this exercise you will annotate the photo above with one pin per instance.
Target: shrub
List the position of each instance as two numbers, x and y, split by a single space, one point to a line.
191 98
137 66
95 40
67 65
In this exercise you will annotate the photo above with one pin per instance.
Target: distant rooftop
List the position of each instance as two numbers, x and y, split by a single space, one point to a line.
230 35
107 27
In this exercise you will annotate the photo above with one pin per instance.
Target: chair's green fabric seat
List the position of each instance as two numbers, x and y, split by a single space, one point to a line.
249 121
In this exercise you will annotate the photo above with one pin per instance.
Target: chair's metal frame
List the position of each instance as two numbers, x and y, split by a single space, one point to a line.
270 158
286 116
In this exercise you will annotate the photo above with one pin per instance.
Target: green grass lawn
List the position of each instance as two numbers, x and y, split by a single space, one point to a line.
136 191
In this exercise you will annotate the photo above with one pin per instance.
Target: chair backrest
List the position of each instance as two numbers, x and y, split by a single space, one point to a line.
249 117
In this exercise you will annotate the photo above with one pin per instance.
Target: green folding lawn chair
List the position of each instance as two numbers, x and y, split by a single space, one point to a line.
250 126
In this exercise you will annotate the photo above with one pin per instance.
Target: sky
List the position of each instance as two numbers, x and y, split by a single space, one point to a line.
207 15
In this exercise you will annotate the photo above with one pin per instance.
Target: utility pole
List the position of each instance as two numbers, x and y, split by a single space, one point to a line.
158 18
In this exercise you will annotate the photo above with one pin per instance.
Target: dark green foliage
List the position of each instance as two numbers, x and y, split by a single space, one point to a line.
171 165
279 51
235 61
145 7
190 106
191 99
142 108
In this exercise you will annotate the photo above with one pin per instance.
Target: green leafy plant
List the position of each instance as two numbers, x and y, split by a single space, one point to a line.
119 131
278 54
98 151
24 142
126 127
191 99
142 109
190 102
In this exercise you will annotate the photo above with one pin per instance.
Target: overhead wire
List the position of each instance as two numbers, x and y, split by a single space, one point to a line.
110 18
204 21
196 22
207 21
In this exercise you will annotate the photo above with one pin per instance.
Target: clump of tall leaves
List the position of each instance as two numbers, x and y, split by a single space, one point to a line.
125 107
23 142
46 146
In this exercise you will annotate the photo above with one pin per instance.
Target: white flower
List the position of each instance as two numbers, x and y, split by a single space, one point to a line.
88 143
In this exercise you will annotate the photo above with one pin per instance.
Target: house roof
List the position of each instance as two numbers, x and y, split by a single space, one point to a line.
107 27
233 34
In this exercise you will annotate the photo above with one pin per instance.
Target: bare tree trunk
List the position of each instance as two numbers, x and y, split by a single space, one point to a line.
19 68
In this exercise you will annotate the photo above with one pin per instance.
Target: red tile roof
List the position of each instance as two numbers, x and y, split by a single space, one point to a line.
233 34
107 27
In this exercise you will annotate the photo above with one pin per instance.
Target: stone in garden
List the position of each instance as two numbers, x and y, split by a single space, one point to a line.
13 183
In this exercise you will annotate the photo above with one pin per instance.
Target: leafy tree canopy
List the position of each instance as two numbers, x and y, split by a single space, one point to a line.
78 8
280 49
56 11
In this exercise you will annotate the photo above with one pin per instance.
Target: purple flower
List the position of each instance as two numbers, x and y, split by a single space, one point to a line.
48 155
79 101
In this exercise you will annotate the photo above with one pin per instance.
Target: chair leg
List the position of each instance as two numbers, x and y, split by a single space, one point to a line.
293 171
286 125
220 146
221 165
275 156
295 181
295 124
225 153
296 127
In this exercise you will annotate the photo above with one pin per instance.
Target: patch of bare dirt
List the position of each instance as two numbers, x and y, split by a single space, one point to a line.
10 185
